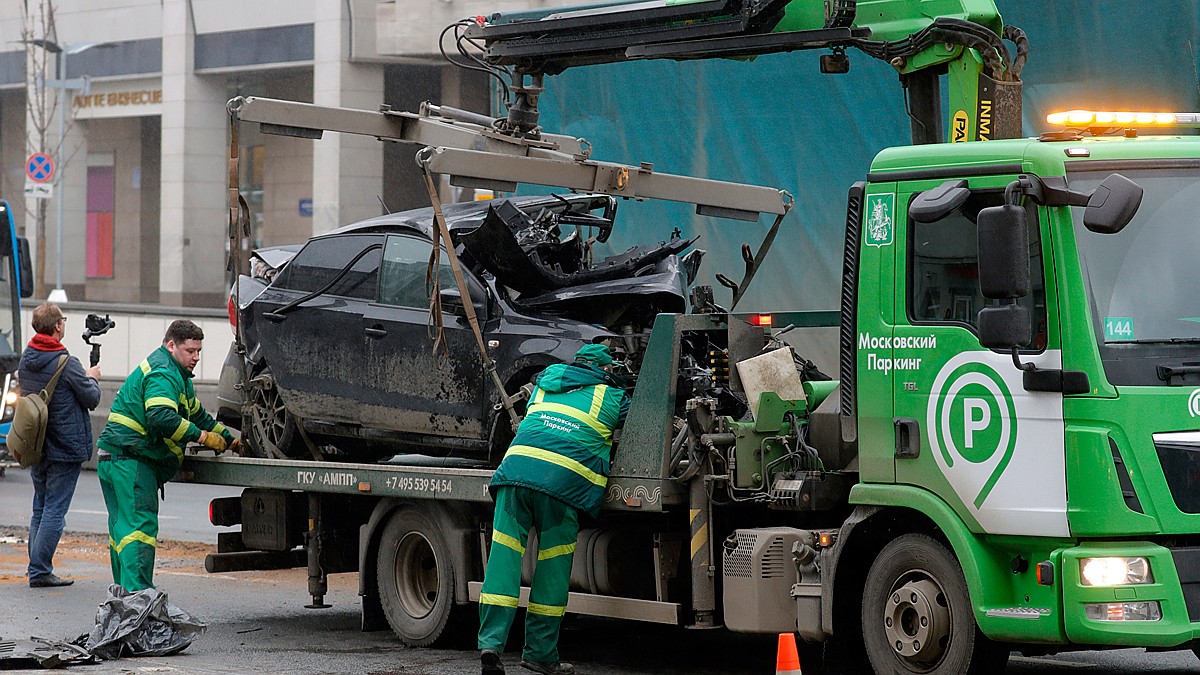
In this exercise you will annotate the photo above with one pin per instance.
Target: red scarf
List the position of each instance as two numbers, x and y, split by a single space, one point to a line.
46 343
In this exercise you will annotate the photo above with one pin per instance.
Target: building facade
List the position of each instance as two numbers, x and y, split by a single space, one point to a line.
142 171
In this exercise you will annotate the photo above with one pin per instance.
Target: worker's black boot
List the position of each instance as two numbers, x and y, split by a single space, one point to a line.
491 662
556 668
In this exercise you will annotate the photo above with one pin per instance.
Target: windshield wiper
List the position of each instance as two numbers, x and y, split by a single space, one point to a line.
1182 371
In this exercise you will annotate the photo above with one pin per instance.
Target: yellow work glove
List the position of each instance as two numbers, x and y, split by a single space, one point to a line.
214 441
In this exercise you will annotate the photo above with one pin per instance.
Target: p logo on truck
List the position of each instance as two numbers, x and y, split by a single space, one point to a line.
972 428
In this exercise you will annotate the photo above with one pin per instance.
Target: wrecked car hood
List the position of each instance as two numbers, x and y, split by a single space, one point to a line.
532 258
667 280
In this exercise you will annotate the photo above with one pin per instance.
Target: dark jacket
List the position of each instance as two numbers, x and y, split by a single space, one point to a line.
69 433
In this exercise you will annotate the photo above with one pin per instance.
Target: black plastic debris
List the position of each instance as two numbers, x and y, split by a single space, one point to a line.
141 624
37 652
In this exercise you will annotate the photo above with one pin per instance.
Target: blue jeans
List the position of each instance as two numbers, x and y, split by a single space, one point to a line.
53 488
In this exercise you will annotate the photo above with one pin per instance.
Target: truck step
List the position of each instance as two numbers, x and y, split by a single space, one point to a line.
241 561
609 606
1019 612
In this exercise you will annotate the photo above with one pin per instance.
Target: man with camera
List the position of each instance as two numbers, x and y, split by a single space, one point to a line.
68 436
154 415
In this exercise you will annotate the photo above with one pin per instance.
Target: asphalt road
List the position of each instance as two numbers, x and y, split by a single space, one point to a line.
257 622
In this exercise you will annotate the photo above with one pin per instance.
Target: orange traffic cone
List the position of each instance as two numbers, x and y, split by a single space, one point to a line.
787 661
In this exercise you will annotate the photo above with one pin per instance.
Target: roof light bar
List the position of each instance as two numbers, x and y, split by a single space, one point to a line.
1096 118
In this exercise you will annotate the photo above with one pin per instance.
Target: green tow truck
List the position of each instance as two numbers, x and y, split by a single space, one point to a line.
1007 460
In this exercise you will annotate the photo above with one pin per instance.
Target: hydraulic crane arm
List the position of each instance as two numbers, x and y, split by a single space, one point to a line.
921 39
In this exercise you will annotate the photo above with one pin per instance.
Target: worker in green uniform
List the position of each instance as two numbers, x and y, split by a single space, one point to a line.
154 415
556 467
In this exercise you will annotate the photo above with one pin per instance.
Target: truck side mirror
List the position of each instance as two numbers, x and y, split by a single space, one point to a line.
1003 253
933 205
1112 205
1004 327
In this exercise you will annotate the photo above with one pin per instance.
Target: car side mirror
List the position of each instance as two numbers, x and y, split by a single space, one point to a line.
1003 253
933 205
452 302
1112 205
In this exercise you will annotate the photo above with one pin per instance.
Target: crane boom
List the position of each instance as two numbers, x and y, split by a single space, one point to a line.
921 39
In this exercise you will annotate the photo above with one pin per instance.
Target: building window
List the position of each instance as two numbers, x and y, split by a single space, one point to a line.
101 196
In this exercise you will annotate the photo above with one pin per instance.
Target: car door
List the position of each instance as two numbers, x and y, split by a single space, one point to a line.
316 349
413 389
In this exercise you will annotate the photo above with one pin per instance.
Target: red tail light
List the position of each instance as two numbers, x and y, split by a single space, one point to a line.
761 320
232 314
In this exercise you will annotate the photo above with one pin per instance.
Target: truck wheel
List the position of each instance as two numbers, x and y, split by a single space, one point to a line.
416 579
272 428
916 613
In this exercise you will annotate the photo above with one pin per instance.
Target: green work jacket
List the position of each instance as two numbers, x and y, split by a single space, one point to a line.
155 413
563 447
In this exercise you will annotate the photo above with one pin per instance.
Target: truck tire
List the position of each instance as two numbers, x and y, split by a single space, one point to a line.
272 429
917 616
416 580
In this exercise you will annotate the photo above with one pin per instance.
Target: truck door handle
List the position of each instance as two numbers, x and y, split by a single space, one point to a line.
375 332
908 437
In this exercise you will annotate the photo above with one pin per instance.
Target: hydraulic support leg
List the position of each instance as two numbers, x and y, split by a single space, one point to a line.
318 582
704 591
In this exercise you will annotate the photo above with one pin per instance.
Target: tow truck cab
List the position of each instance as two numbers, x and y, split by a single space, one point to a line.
1084 463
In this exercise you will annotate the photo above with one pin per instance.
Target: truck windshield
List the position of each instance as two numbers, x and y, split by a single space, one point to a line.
1141 282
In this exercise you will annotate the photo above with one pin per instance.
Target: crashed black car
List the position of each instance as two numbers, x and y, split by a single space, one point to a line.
338 339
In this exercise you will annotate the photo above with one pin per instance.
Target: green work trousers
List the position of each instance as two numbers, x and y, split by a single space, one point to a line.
518 510
131 495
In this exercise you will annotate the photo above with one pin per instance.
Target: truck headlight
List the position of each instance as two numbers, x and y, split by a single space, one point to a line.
1115 571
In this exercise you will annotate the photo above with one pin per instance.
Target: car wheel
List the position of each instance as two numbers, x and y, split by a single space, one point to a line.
416 580
917 616
273 431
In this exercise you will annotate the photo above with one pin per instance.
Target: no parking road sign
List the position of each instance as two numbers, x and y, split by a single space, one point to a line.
39 167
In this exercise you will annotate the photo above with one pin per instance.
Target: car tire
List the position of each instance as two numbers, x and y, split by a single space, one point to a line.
917 615
415 574
272 429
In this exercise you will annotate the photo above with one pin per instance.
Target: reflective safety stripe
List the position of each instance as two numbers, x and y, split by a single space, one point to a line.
218 428
193 406
501 600
162 401
174 448
136 535
145 366
180 430
126 422
541 393
574 413
598 400
547 610
506 541
555 551
560 460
